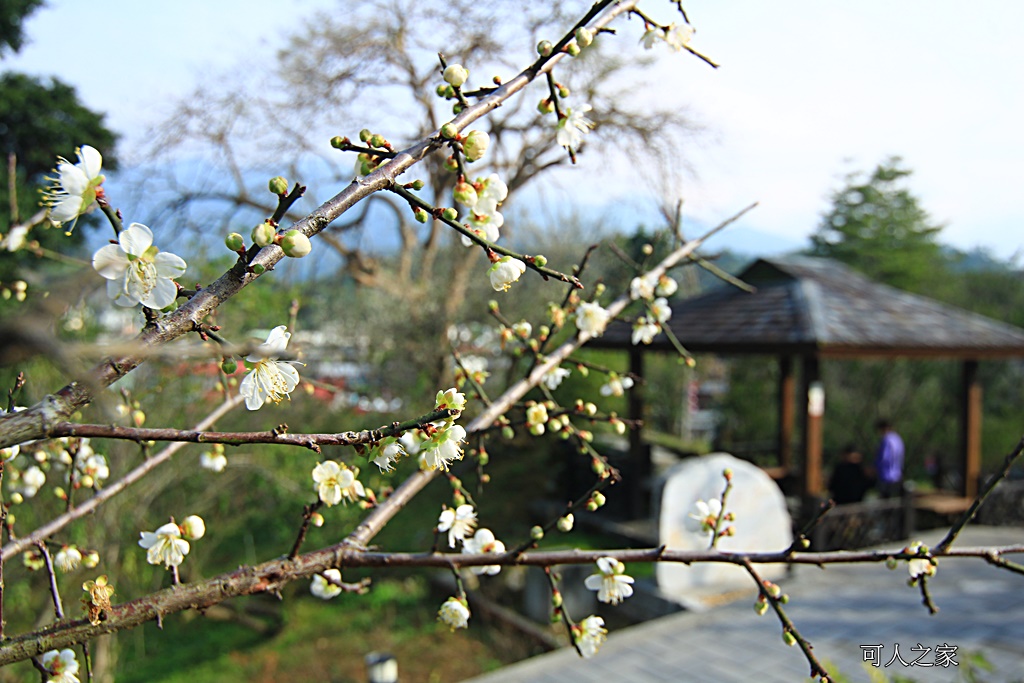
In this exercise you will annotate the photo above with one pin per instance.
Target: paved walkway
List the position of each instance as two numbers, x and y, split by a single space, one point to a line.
839 609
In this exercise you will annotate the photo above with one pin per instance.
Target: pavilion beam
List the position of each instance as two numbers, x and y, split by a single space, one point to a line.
970 429
787 412
812 427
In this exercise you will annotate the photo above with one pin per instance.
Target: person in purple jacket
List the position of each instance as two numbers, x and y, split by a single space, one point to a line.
889 461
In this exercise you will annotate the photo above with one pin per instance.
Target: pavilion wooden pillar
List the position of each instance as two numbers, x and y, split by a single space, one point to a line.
812 427
970 429
787 412
639 456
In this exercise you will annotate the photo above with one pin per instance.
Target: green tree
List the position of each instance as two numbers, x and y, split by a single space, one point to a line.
12 14
878 227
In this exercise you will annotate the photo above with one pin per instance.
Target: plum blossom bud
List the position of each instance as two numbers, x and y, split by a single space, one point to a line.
465 194
295 244
421 215
544 48
761 606
258 268
138 417
449 131
193 527
450 214
788 638
91 559
17 499
507 432
234 242
442 90
278 185
573 49
556 599
563 91
475 144
536 533
378 140
263 234
316 519
584 36
337 142
456 75
451 165
229 366
545 106
565 523
365 135
540 260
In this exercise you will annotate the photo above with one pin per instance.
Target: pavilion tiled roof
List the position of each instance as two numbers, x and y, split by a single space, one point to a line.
804 304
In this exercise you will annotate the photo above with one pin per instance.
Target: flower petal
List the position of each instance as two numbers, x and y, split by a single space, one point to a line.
136 239
110 262
162 295
169 265
92 161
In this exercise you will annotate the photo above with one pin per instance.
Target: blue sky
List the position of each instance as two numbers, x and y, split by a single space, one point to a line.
808 90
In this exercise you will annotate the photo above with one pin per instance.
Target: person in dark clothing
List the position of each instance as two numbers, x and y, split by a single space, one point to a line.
849 481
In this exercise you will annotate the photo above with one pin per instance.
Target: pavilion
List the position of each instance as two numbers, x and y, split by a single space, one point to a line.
805 310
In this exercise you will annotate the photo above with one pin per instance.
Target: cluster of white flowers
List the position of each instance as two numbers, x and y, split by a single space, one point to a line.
443 444
536 418
269 379
336 482
482 200
136 271
611 582
168 545
644 288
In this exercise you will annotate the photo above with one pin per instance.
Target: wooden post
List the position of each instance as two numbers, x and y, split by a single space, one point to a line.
787 412
812 422
639 456
970 429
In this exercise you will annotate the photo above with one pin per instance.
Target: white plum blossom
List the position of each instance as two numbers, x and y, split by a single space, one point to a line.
573 126
454 613
269 379
705 516
459 523
919 567
645 331
74 190
451 399
666 286
165 545
412 441
324 589
68 558
651 36
536 418
136 271
456 74
591 318
443 447
611 582
661 310
522 329
15 238
616 386
31 481
590 635
335 483
641 288
484 542
388 450
504 272
679 36
215 462
61 667
553 377
94 465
